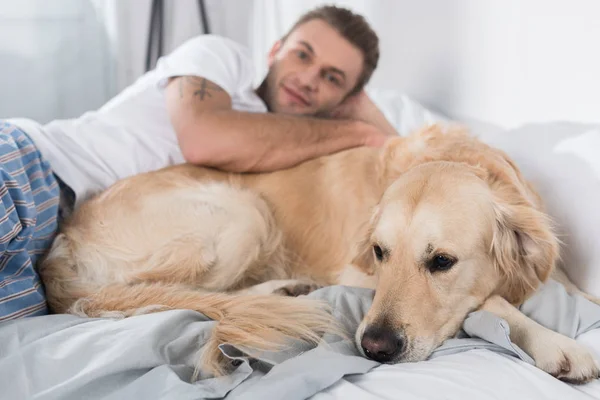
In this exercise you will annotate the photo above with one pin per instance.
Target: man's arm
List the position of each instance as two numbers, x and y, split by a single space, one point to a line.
210 133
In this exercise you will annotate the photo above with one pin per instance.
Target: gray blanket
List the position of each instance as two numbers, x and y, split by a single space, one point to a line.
152 356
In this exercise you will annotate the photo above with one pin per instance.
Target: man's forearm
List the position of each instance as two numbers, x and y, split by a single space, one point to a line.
378 119
248 142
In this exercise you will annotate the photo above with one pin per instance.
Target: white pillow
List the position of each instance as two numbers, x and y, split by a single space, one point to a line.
561 160
403 112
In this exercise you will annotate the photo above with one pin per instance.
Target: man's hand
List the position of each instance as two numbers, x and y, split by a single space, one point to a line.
360 107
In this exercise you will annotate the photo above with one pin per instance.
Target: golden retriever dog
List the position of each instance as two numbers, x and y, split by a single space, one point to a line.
438 223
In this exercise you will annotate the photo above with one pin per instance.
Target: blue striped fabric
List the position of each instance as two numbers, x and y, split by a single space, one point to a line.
29 197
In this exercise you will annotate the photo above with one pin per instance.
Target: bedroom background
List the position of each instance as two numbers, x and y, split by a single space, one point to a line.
524 73
504 63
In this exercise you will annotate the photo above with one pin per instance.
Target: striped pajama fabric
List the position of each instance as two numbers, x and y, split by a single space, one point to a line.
29 196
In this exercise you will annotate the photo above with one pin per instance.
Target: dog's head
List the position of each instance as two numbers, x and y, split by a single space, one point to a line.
445 236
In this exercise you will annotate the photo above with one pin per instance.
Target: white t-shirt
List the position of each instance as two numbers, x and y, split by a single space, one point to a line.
132 133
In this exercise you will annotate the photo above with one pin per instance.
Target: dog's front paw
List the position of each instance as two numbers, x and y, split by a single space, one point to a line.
296 289
565 359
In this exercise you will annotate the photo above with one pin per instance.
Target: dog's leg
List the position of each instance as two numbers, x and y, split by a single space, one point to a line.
268 287
552 352
255 323
215 237
559 275
284 287
351 275
232 238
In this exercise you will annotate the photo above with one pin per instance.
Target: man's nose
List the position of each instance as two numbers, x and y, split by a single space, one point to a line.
309 78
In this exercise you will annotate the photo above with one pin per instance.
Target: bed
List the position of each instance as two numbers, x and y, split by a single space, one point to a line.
152 356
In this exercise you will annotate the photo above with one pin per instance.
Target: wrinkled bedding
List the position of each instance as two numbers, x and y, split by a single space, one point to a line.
152 356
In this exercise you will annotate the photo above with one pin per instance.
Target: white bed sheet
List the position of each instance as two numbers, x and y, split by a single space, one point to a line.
476 374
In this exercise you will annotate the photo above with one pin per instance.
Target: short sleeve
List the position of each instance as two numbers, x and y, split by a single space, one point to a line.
218 59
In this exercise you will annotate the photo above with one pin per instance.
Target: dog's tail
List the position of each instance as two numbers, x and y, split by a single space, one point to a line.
254 322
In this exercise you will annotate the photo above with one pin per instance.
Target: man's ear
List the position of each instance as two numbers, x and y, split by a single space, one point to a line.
273 52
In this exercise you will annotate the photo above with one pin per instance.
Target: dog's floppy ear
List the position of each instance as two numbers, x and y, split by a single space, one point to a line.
525 249
364 258
428 143
394 159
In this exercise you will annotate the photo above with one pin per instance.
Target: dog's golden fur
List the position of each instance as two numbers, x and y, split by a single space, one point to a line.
218 243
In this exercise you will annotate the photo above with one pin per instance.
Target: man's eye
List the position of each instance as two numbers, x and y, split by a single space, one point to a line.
302 54
333 79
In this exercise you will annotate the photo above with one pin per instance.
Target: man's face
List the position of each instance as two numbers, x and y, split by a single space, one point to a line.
312 71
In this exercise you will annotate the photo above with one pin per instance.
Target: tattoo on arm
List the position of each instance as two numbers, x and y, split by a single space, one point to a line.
202 88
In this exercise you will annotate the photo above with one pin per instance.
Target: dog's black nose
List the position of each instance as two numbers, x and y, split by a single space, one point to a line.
381 343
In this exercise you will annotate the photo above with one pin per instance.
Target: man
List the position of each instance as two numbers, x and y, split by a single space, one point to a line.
197 106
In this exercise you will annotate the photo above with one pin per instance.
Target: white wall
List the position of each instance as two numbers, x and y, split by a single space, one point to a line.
130 21
533 60
54 60
505 62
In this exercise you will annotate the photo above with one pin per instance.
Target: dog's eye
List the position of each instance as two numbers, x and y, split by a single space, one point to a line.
378 251
441 262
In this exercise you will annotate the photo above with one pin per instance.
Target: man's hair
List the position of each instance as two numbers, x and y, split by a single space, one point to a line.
355 29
